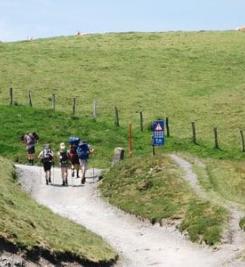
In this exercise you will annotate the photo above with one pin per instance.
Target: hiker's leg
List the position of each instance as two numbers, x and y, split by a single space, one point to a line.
66 175
77 169
49 174
46 177
63 175
83 164
31 154
72 170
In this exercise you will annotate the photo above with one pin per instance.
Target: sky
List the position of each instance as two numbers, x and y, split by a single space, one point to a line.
22 19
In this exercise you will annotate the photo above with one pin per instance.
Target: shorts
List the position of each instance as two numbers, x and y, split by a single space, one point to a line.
47 166
30 149
64 165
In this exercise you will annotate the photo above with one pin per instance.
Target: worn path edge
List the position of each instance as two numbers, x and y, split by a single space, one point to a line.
138 242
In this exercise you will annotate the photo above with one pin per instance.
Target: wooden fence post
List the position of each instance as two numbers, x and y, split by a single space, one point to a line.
194 139
216 140
53 101
94 109
141 121
242 137
130 140
117 117
30 99
153 150
74 106
11 95
167 127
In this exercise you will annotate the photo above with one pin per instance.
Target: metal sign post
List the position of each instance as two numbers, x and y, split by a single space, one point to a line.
158 137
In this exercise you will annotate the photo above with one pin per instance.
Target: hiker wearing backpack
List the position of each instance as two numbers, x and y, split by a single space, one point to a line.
83 152
64 163
74 141
46 156
75 165
30 140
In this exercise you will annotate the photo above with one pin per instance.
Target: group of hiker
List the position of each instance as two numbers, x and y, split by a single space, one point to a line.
75 157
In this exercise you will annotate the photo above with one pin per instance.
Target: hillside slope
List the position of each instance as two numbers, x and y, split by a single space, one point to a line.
196 76
34 231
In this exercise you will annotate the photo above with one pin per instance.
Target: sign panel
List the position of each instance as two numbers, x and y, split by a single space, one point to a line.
158 133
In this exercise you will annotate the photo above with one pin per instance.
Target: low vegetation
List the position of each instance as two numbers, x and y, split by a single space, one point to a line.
152 188
197 76
54 128
33 228
187 76
227 178
242 223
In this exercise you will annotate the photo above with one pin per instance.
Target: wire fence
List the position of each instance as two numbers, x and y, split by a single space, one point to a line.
119 115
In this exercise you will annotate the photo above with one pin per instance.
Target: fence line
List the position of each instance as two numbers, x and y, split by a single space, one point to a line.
99 109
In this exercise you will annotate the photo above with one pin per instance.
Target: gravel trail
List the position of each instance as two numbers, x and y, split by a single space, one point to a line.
235 236
138 243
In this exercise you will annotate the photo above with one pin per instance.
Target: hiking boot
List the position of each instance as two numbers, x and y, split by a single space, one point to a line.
72 174
63 184
49 180
83 180
46 181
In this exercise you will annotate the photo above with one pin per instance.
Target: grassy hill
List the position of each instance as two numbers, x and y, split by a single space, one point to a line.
196 76
34 230
153 188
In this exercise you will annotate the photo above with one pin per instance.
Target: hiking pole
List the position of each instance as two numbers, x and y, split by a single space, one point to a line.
53 174
40 175
93 174
72 177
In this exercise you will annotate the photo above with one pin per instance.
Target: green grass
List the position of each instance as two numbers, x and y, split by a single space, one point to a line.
54 128
242 223
228 179
33 227
153 188
196 76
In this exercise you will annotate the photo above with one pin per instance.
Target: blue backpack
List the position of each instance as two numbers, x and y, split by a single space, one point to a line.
83 151
74 140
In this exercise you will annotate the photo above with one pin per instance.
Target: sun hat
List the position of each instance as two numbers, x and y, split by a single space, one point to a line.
62 146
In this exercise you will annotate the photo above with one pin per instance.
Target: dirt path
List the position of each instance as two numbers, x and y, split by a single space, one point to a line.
234 236
139 243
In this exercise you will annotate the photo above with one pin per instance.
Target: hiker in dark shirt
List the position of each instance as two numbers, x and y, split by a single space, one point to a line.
47 156
75 166
64 163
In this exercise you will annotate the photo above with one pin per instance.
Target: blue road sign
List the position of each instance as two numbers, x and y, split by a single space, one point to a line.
158 133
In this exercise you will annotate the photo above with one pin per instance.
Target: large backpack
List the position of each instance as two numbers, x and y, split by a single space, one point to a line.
47 155
29 139
83 151
74 140
64 157
73 155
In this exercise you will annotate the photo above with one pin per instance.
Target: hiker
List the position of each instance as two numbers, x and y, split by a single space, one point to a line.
64 163
75 165
74 141
46 156
83 152
30 139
